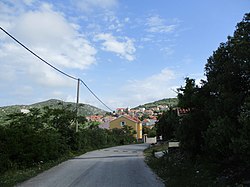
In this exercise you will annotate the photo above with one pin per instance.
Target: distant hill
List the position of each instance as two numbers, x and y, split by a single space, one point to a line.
84 109
167 101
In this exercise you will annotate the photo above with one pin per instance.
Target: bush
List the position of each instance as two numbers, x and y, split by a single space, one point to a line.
41 136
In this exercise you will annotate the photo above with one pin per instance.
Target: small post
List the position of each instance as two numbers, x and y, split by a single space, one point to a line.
77 102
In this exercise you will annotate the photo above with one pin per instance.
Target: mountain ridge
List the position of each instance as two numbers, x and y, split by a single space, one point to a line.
83 109
170 102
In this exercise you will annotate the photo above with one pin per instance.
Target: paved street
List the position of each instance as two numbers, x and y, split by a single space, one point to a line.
111 167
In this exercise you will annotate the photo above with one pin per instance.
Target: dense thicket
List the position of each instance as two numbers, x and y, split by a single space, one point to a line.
218 124
167 125
40 136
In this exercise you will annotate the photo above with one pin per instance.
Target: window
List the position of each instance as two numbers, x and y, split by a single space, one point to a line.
123 123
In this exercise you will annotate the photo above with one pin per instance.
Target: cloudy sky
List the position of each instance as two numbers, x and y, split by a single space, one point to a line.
128 52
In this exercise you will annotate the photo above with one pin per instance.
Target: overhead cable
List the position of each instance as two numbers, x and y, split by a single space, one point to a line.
95 95
60 71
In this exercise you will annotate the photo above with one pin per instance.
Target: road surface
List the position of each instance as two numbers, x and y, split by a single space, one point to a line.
121 166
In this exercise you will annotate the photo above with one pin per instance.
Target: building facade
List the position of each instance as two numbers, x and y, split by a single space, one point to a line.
129 121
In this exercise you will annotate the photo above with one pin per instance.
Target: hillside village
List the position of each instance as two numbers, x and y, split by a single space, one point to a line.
148 116
139 118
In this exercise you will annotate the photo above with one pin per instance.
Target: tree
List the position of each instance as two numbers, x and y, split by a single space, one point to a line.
228 83
241 145
193 124
187 95
152 132
167 125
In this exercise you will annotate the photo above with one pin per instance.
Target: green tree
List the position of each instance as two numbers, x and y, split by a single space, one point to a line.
167 125
241 145
228 82
152 132
194 123
187 95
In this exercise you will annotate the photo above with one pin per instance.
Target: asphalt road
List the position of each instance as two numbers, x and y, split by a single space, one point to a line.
121 166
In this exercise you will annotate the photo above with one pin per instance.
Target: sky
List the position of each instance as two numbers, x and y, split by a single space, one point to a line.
128 52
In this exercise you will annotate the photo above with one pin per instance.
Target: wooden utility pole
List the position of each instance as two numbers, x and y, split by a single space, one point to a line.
77 102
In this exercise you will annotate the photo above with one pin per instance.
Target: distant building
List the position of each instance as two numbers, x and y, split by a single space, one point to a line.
104 125
97 118
149 122
25 111
142 110
121 111
129 121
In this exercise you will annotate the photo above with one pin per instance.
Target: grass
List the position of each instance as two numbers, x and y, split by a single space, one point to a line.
15 176
176 171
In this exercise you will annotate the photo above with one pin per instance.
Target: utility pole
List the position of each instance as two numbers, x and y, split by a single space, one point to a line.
77 102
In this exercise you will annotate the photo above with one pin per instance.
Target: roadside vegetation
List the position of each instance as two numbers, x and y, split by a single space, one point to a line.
176 170
214 133
40 139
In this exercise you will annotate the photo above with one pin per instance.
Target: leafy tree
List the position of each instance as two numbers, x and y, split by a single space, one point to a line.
152 132
167 125
228 82
144 116
194 123
187 95
145 129
241 145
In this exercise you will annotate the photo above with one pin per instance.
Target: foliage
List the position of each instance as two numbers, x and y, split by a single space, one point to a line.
152 132
193 124
41 136
145 129
143 116
217 127
213 124
228 75
83 109
167 125
175 170
171 102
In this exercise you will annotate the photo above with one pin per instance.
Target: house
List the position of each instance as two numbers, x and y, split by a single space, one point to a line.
129 121
183 111
122 111
149 122
97 118
25 111
104 125
105 122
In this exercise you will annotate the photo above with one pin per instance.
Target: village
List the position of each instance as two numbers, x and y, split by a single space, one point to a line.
138 118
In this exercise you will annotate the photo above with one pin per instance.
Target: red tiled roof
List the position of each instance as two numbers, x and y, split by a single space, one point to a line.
183 111
132 118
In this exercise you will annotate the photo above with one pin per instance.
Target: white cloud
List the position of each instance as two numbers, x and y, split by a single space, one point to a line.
53 38
114 24
90 5
70 98
127 19
23 91
28 2
124 49
155 24
167 50
155 87
50 35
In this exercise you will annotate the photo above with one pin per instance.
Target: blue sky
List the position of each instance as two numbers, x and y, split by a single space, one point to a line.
128 52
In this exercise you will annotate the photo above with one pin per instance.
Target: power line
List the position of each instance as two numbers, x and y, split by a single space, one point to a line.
95 95
60 71
37 55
